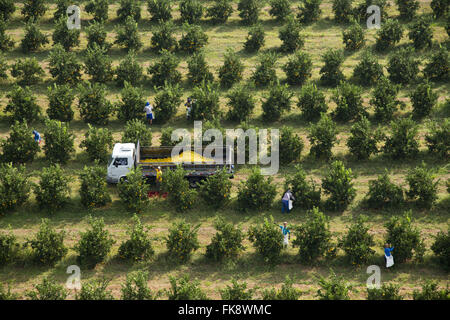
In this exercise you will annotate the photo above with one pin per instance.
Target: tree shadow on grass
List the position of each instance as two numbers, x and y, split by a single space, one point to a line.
16 275
115 265
25 268
377 164
324 24
163 263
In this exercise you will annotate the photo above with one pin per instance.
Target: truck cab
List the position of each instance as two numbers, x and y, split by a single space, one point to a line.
121 162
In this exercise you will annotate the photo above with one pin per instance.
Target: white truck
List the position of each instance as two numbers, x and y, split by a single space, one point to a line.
126 156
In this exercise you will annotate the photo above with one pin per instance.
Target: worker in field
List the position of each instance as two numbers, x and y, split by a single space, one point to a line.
286 234
158 177
287 201
388 257
149 112
188 106
37 136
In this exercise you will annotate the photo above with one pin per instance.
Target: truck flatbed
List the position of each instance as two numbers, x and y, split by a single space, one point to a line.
126 156
150 158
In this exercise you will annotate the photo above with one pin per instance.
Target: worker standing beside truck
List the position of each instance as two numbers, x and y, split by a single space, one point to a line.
149 112
158 177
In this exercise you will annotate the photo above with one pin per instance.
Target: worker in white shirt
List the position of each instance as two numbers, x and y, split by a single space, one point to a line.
188 106
286 201
149 112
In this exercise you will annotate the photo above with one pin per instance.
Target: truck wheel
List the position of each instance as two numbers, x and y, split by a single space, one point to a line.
150 180
193 183
123 179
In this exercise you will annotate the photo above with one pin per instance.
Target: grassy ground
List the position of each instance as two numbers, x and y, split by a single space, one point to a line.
319 36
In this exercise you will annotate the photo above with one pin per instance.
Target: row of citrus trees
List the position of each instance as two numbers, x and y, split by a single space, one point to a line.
315 242
400 140
256 193
402 68
219 11
193 37
192 11
95 108
136 288
313 238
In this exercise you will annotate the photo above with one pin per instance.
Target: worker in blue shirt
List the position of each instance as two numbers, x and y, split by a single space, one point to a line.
387 255
37 136
286 234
